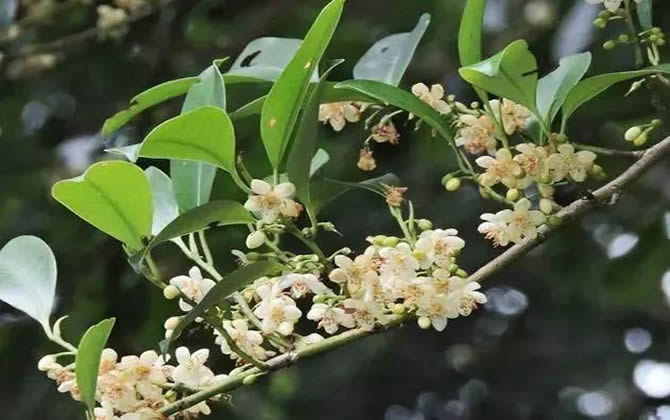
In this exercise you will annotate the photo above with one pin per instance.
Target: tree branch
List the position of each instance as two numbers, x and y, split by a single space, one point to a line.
607 195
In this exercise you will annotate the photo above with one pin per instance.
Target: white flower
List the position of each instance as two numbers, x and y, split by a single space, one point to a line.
270 203
278 313
365 312
433 97
355 273
255 239
494 227
434 307
191 370
532 160
382 133
338 113
247 340
147 367
303 284
118 389
398 266
476 134
611 5
330 318
515 117
437 247
464 296
567 162
193 286
501 169
512 225
106 412
110 17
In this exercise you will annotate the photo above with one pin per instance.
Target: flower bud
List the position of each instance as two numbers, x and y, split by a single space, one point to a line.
379 240
248 380
485 194
554 221
546 191
390 241
453 268
632 133
253 256
398 309
660 42
609 45
171 323
513 194
656 122
319 298
424 224
424 322
641 139
419 254
170 292
605 14
474 105
255 239
600 23
462 273
453 184
624 38
168 334
546 206
597 172
656 30
653 38
46 363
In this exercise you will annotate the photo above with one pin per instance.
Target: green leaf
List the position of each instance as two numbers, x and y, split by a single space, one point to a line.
223 289
326 190
399 98
287 95
147 99
28 277
204 135
210 90
113 196
470 32
589 88
389 58
553 89
129 152
266 58
321 157
645 14
510 74
165 204
87 361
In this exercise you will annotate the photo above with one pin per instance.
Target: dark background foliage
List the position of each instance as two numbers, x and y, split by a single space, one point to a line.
577 329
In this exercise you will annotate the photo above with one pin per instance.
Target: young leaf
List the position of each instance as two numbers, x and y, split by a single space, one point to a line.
511 74
147 99
389 58
210 90
224 288
287 95
553 88
113 196
266 58
28 277
129 152
203 135
163 198
589 88
326 190
470 32
87 361
645 14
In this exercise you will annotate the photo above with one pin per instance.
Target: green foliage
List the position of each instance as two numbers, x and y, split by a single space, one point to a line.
282 107
265 59
28 277
553 89
326 190
470 32
87 361
645 14
115 197
389 58
165 204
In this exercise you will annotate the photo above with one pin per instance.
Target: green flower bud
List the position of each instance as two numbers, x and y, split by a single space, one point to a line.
171 292
453 184
656 30
390 241
641 139
474 105
600 23
379 240
485 194
609 45
653 38
424 322
249 379
424 224
462 273
546 190
554 221
546 206
597 172
513 194
624 38
660 42
253 256
632 133
446 178
398 309
319 298
605 14
419 254
453 268
656 122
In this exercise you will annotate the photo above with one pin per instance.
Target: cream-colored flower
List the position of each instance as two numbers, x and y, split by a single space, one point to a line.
437 247
270 203
147 367
433 97
366 161
366 312
434 307
330 318
532 159
356 273
382 133
476 134
515 117
193 286
337 114
302 285
398 267
494 227
502 168
464 296
568 162
278 312
249 341
191 370
512 225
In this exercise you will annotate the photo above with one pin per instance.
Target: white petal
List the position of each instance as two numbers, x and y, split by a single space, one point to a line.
260 187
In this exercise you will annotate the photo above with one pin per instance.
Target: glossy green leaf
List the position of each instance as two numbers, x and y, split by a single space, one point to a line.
113 196
210 90
223 289
510 74
326 190
147 99
402 99
266 58
470 32
28 277
589 88
553 89
129 152
645 14
165 204
287 95
87 361
389 58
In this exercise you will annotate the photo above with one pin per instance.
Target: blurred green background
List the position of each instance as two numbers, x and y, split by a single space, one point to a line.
578 329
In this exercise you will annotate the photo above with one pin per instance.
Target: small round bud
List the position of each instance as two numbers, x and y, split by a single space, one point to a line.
600 23
546 191
653 38
641 139
597 172
462 273
399 309
474 105
554 221
46 363
419 254
656 122
256 239
453 184
632 133
513 194
248 380
424 322
391 241
609 45
319 298
660 42
546 206
656 30
453 268
170 292
379 240
624 38
605 14
171 323
424 224
446 178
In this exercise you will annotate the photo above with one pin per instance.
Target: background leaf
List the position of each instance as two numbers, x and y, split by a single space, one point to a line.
87 362
266 58
553 89
389 58
165 204
281 108
28 277
113 196
470 32
645 14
